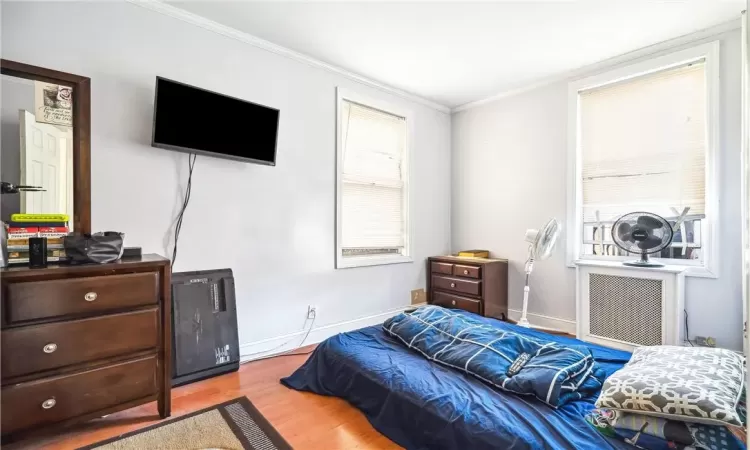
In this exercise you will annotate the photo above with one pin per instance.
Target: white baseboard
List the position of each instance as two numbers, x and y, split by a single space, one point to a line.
279 344
568 326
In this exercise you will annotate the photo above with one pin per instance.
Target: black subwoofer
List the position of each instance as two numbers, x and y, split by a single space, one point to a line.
204 325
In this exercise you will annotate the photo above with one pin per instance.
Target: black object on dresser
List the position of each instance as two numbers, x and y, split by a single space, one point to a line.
80 342
206 343
37 252
478 285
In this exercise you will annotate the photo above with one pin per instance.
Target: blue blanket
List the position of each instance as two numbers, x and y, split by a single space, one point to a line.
422 405
553 373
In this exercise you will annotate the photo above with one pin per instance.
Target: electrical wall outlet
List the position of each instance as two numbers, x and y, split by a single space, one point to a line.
702 341
418 296
312 311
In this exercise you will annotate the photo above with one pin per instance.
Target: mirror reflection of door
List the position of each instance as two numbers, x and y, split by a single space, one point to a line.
36 147
46 155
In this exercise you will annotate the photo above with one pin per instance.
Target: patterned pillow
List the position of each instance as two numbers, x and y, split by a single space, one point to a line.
698 384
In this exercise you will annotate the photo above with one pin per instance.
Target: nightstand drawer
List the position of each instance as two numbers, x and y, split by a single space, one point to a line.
43 347
454 301
438 267
49 400
42 299
457 285
460 270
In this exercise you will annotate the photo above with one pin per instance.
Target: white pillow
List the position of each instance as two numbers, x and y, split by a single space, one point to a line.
691 384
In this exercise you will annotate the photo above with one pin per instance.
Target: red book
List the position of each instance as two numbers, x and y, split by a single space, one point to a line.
23 230
53 229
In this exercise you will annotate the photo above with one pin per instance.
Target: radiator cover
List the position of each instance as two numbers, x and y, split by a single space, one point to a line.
627 307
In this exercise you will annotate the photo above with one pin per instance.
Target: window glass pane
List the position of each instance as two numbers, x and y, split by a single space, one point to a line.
372 197
643 148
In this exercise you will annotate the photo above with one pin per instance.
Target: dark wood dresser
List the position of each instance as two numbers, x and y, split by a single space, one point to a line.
477 285
80 342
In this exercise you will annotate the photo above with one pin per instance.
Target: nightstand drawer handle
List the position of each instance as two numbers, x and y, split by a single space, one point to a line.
453 302
453 284
49 403
466 271
49 348
90 296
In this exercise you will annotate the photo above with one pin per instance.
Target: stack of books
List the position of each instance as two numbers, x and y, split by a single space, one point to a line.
21 227
474 253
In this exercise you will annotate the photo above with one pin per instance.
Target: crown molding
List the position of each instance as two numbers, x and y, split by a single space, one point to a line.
590 69
210 25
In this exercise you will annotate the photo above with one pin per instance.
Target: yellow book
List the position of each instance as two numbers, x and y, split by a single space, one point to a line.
20 217
475 253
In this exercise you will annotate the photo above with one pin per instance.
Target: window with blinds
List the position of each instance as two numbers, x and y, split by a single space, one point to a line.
643 144
372 165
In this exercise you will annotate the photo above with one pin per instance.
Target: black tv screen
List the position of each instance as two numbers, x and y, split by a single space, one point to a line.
194 120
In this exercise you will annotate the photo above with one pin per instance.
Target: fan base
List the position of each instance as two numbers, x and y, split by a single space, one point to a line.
640 263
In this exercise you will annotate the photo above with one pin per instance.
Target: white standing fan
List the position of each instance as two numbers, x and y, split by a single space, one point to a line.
541 242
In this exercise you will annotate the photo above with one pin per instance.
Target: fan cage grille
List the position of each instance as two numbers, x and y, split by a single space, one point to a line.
665 233
626 309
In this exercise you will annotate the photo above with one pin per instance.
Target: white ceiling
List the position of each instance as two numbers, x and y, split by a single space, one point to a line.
456 53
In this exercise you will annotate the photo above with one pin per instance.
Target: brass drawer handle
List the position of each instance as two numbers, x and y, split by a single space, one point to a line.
49 403
453 302
90 296
453 285
49 348
466 272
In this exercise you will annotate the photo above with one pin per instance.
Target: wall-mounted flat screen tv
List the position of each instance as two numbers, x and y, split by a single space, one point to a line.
193 120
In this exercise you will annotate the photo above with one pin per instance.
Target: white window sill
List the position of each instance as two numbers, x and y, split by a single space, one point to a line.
689 271
343 262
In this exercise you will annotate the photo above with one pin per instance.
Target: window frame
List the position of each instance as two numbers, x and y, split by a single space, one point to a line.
708 265
342 262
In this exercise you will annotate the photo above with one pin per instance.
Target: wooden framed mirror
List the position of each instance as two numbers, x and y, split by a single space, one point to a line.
55 121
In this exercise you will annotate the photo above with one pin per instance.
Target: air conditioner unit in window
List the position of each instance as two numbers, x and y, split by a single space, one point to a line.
627 307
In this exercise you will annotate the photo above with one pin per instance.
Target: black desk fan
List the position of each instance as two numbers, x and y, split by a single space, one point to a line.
644 233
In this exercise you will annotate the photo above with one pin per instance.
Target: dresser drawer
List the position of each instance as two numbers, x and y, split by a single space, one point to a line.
457 285
454 301
42 347
467 271
55 399
438 267
42 299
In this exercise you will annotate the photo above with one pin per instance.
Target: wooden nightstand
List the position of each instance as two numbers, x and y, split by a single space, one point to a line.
477 285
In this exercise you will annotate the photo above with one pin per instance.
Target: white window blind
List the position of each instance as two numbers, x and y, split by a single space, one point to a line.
372 180
643 144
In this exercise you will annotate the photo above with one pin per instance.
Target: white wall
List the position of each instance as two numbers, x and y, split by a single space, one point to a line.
509 174
274 226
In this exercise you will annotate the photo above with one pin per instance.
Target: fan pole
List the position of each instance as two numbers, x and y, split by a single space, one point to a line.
523 321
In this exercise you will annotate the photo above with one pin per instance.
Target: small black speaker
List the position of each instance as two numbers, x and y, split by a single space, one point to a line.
204 325
37 252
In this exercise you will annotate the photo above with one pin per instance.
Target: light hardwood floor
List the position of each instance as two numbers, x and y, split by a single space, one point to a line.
307 421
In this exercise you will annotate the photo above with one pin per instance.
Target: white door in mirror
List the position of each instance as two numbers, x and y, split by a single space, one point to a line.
46 152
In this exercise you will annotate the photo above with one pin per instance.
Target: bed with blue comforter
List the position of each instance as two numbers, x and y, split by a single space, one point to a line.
423 404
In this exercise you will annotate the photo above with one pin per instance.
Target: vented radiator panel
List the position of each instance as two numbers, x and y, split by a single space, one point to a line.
626 309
